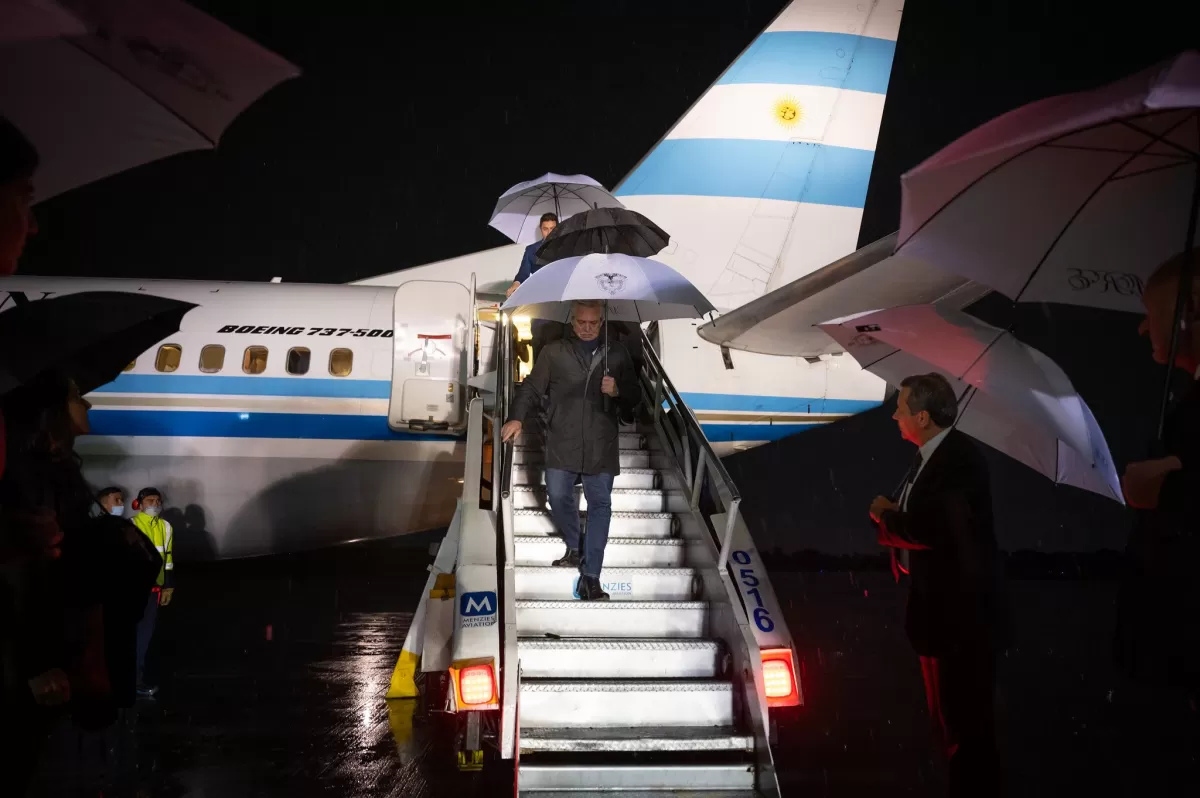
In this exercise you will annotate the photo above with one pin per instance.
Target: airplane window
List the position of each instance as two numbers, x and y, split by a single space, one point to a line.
212 358
341 361
255 360
297 360
168 357
132 363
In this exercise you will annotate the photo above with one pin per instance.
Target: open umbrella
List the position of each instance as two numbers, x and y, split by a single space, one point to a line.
604 230
633 290
1074 199
91 336
1011 396
519 209
103 86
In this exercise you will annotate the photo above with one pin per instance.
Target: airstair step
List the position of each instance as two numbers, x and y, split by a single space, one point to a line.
636 501
621 525
536 440
636 584
629 478
662 619
632 781
618 658
700 792
630 458
597 703
618 552
631 739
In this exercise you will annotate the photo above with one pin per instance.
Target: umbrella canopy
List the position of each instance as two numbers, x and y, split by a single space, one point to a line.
519 209
91 336
1074 199
105 86
634 290
1011 396
604 230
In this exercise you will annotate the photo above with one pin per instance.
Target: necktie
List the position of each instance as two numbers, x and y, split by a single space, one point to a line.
898 496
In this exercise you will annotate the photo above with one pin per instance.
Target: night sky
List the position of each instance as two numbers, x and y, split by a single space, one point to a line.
390 149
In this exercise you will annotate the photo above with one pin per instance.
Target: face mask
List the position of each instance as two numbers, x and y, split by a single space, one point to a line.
118 510
152 511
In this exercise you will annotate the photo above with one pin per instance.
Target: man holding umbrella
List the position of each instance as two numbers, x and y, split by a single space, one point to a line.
540 329
583 433
1157 636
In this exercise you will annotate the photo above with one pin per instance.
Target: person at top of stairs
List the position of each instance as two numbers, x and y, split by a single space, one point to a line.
582 433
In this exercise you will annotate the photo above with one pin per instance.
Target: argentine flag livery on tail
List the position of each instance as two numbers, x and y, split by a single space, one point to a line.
764 179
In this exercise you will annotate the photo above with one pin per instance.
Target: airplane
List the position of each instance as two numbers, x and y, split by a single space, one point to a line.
293 416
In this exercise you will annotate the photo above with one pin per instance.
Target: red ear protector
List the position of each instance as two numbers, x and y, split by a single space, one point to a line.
137 505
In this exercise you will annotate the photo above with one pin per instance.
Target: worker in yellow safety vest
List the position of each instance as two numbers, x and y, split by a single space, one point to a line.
149 505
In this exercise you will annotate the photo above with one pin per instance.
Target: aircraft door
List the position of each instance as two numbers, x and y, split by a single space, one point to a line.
431 355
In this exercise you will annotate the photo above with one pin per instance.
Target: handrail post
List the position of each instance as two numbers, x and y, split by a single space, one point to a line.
730 521
698 482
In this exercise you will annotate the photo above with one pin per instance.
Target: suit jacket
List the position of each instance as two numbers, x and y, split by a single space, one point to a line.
957 596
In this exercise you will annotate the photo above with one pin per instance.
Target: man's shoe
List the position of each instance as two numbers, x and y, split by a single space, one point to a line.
588 589
568 560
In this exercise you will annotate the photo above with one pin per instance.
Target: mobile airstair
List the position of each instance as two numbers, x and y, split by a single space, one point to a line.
667 688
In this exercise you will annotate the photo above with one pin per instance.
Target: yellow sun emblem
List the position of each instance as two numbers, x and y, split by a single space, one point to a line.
788 112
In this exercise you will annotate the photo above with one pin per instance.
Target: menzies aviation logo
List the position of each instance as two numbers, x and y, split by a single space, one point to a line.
477 609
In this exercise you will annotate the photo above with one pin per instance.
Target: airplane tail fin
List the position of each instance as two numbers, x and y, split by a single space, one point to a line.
765 177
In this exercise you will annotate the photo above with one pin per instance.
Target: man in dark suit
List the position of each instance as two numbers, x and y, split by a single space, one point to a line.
1157 636
955 619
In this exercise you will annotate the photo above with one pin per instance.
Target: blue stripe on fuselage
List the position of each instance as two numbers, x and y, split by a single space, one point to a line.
795 171
331 387
216 424
715 402
813 58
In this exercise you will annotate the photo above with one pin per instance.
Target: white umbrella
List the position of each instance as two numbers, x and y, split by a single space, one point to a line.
519 209
1074 199
1011 396
105 86
633 289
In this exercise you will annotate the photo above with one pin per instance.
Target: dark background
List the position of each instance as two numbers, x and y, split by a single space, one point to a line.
390 149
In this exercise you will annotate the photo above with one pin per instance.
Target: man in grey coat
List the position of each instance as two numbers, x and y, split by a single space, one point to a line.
582 434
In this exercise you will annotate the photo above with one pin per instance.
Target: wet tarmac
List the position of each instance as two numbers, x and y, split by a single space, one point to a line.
273 673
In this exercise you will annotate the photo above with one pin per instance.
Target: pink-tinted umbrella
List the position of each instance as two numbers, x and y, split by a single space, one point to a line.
1075 199
101 86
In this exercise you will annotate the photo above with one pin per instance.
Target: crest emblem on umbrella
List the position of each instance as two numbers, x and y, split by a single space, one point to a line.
611 283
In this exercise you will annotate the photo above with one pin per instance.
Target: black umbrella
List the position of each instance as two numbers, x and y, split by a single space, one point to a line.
603 230
91 336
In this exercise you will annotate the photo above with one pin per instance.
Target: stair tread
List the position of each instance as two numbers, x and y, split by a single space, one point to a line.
664 793
623 514
540 540
607 572
666 685
542 488
634 738
584 606
625 643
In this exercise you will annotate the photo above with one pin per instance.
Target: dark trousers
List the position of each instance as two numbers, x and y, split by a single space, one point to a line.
960 688
145 634
564 509
24 728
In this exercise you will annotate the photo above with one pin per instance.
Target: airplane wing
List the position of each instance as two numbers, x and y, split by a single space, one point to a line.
782 321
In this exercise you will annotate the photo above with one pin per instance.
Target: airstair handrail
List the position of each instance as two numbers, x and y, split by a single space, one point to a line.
707 462
502 507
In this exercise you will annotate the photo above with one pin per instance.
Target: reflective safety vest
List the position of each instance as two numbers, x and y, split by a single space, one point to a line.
163 538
